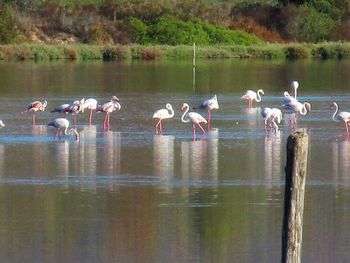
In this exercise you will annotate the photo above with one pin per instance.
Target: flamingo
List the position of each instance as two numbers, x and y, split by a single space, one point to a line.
108 108
209 104
193 117
91 105
63 108
251 95
287 96
2 125
62 124
341 116
34 107
297 107
270 116
74 108
163 114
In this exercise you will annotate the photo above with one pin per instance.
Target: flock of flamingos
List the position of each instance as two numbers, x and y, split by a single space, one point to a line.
272 116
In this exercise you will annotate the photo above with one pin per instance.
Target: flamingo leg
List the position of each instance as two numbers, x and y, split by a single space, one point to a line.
57 133
208 127
157 124
108 122
160 126
200 126
194 131
105 121
75 121
90 117
33 119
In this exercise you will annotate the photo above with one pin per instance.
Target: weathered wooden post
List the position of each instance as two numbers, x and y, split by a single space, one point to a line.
292 231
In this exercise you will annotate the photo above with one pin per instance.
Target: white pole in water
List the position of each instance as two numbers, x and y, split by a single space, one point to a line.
194 67
194 55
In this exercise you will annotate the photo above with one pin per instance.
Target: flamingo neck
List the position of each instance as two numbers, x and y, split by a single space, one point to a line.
303 110
258 97
295 93
184 114
171 112
336 111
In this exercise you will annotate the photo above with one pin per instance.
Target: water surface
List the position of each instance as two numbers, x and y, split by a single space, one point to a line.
127 195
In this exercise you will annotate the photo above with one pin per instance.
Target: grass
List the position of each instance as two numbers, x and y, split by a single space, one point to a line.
42 52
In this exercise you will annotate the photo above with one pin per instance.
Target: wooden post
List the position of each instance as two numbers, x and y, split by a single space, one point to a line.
297 148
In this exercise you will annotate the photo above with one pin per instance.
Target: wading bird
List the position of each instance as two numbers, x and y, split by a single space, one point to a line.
271 115
62 125
163 114
108 108
209 105
91 105
251 95
193 117
296 107
34 107
341 116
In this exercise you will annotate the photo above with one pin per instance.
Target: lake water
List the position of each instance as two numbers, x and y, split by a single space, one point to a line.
127 195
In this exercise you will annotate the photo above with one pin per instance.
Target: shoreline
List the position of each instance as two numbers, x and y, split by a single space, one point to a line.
86 52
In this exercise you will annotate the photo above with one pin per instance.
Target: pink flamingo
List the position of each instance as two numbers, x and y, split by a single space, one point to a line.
108 108
62 125
209 105
34 107
341 116
91 105
271 115
163 114
296 107
193 117
251 95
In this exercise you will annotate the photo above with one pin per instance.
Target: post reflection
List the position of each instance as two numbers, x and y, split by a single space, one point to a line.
273 156
111 153
163 157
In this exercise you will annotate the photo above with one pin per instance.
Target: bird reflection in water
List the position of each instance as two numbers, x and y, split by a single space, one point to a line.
111 152
273 156
163 156
39 164
2 155
341 159
87 151
61 153
200 158
253 116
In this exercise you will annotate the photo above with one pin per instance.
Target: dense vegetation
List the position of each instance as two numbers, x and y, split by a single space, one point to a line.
173 22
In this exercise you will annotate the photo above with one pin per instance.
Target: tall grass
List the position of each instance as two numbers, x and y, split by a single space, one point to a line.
38 52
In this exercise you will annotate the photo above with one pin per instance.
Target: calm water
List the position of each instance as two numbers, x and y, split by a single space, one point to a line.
127 195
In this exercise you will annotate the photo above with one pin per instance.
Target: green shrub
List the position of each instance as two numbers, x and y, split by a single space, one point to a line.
296 51
314 26
8 30
115 52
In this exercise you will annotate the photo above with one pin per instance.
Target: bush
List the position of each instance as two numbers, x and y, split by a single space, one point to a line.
171 31
8 30
296 51
314 26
